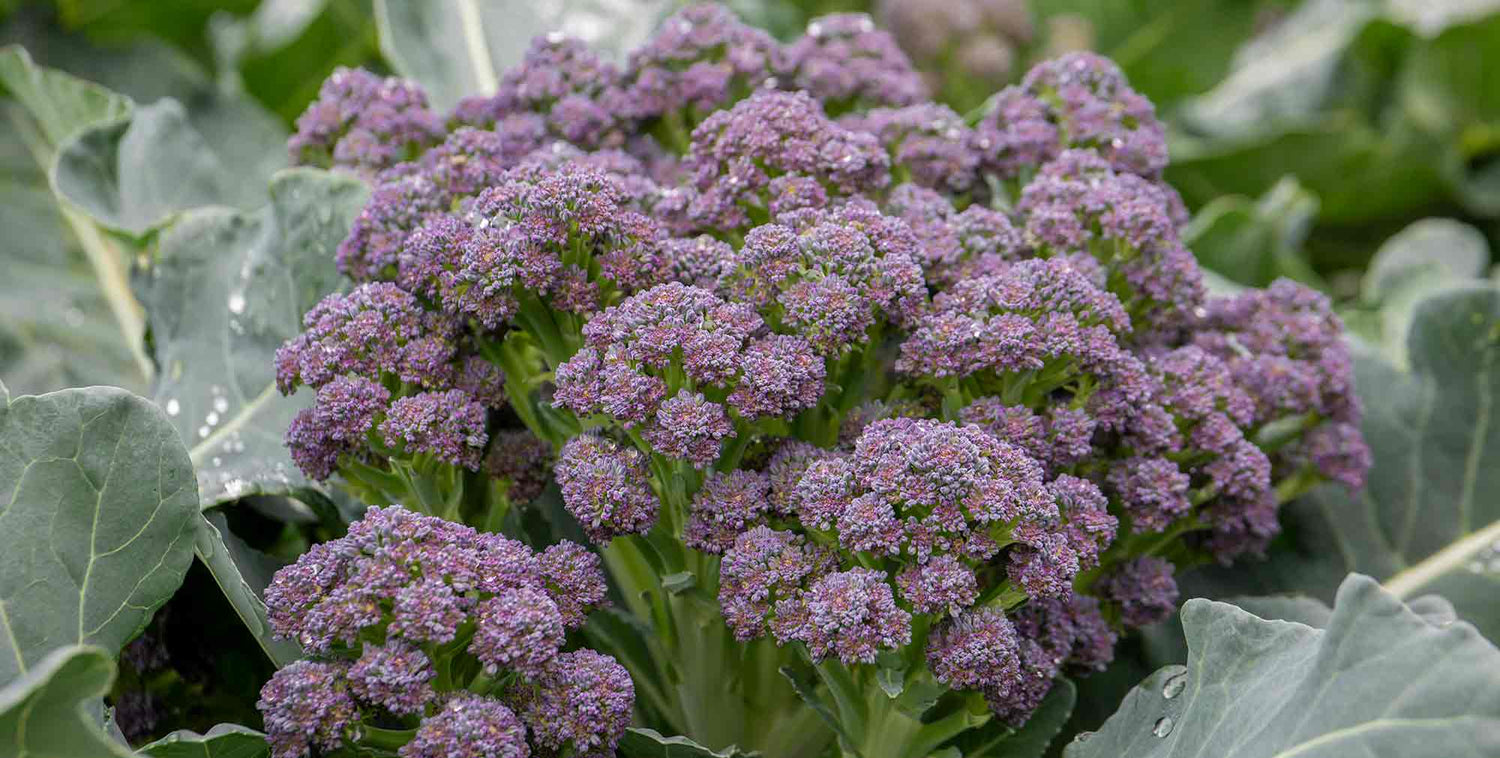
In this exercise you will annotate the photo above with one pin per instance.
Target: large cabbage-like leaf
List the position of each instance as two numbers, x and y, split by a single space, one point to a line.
1255 242
95 521
1428 521
227 290
222 741
1380 680
460 47
45 713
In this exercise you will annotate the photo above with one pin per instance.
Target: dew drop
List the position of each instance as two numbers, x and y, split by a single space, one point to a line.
1083 736
173 407
203 431
221 404
1174 686
237 303
212 419
217 461
1163 726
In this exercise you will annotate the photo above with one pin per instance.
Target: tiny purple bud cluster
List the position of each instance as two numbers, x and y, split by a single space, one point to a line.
374 607
365 123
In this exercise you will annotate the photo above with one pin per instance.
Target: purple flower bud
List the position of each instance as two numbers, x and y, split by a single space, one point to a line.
727 505
699 61
1153 490
581 705
522 459
306 705
396 676
364 123
1072 631
427 611
1143 589
344 412
701 261
449 426
763 568
976 650
737 152
824 491
575 581
373 330
847 63
469 726
780 376
519 629
941 585
851 614
605 486
786 467
689 427
1338 451
928 142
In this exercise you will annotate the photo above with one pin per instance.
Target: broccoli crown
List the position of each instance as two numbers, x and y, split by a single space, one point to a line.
889 380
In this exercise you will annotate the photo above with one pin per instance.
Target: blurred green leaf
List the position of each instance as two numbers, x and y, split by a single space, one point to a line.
96 527
242 573
43 713
995 740
222 741
227 290
1425 257
648 743
1255 242
1379 680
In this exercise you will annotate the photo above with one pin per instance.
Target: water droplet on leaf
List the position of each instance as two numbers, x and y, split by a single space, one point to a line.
1163 726
1174 685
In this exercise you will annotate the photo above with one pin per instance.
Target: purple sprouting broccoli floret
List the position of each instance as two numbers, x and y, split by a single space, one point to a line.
1079 100
701 261
830 275
449 426
374 330
1154 491
580 704
764 569
521 459
574 580
564 84
956 245
345 411
305 705
929 145
1284 347
469 726
397 206
861 416
702 344
1142 589
396 676
737 153
728 504
519 629
1077 203
606 487
1042 319
976 650
785 469
849 614
942 584
700 60
364 123
847 63
385 606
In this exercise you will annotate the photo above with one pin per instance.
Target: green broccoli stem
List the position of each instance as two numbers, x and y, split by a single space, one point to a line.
384 739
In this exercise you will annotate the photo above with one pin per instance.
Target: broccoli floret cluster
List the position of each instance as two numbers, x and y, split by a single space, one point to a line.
885 380
442 637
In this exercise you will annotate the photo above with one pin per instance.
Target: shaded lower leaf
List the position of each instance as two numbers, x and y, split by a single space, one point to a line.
647 743
227 290
242 573
95 521
1380 680
222 741
45 713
